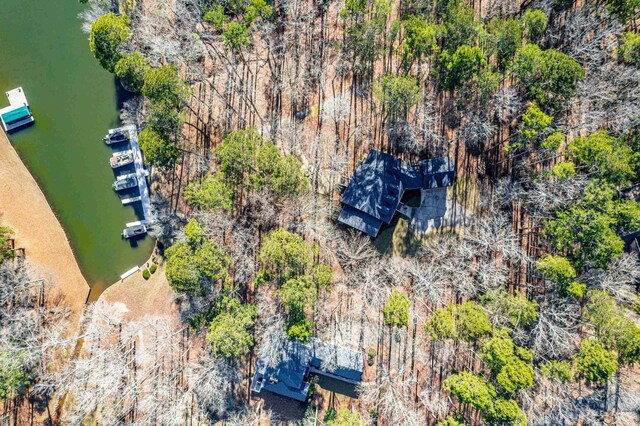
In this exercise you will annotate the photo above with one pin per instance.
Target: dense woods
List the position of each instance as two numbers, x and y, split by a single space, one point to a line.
254 114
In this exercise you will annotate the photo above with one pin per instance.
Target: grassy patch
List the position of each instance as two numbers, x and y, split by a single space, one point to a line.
466 193
405 241
398 240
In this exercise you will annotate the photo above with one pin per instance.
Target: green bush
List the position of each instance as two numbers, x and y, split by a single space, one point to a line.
576 289
330 414
146 274
629 50
153 268
235 36
131 70
535 24
553 141
564 169
216 16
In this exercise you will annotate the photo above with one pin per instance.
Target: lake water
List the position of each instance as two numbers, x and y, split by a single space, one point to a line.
74 102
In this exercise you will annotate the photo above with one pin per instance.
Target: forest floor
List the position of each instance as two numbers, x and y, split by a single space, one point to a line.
25 209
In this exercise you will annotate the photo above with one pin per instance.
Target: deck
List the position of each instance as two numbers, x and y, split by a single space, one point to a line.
17 97
17 100
131 200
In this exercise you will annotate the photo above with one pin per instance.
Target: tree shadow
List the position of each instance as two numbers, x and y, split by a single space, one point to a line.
287 409
338 386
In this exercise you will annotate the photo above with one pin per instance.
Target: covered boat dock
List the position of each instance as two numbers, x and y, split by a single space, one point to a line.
17 114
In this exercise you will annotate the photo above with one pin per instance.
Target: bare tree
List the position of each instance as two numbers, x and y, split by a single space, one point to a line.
390 394
555 334
273 340
619 279
94 10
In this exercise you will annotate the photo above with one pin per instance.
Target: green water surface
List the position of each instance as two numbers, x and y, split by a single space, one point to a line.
74 102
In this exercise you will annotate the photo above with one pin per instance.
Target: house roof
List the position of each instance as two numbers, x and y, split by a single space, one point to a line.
437 172
288 377
378 183
375 187
360 220
336 360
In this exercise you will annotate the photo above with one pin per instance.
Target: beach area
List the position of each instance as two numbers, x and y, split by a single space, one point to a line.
24 208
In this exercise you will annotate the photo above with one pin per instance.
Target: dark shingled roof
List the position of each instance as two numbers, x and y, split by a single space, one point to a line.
375 187
360 220
378 183
288 377
336 361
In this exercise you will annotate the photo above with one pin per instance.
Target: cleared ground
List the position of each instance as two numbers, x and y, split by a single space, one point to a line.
142 297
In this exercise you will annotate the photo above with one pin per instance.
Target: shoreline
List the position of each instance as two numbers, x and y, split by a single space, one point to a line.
49 251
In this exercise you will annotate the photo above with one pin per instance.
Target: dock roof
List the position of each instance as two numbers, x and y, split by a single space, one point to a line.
16 114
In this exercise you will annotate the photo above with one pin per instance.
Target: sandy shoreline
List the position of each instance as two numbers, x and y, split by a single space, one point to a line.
25 209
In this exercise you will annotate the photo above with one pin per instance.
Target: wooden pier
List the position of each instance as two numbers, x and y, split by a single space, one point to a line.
140 175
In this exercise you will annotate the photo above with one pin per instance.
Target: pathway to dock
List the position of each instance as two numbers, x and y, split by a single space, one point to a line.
141 175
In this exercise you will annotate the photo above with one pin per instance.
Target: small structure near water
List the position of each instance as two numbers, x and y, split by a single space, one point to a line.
375 190
134 229
17 114
289 376
116 136
121 159
130 272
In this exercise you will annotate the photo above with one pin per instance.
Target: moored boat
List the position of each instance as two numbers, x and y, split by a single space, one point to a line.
121 158
135 230
116 136
125 182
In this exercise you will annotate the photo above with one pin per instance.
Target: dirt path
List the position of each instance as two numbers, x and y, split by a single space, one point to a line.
24 208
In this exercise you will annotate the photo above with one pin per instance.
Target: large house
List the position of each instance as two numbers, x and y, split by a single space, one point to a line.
289 377
375 190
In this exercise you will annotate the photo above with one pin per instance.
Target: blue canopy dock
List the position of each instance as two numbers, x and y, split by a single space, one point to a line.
17 114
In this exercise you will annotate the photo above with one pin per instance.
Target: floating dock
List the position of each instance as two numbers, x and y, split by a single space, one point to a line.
129 272
140 176
116 136
141 173
134 229
131 200
17 114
